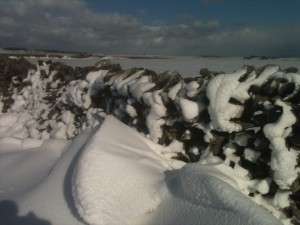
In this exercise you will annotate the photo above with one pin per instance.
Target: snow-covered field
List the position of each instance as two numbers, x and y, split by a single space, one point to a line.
217 149
186 66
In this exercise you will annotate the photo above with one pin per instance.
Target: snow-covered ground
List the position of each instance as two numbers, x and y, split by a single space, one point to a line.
81 62
186 66
65 159
113 175
190 66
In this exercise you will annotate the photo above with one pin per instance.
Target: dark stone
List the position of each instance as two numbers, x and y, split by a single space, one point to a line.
254 89
151 73
194 158
174 79
250 69
251 194
9 68
182 157
235 101
189 79
141 126
206 73
291 70
286 89
273 113
296 198
295 188
81 72
194 139
269 88
239 150
107 78
296 108
130 72
159 80
204 117
102 99
216 145
64 72
125 118
261 69
172 108
257 170
260 120
295 99
272 190
108 65
294 141
288 211
14 67
176 130
41 62
263 143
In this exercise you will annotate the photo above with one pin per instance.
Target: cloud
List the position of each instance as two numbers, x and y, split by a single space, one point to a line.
63 24
72 25
264 41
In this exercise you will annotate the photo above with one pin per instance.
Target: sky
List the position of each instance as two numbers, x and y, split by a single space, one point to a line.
154 27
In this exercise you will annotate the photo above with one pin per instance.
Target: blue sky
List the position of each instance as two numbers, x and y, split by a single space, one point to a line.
230 12
165 27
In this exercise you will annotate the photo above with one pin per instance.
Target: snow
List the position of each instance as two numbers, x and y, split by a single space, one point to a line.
283 160
111 174
251 155
17 144
190 66
74 62
102 199
49 195
189 109
157 111
76 94
94 80
13 124
185 65
75 178
138 88
131 111
174 90
219 91
201 195
24 167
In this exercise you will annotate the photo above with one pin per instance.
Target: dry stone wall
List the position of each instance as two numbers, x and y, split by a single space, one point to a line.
249 119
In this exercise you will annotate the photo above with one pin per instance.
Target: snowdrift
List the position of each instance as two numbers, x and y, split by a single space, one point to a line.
113 175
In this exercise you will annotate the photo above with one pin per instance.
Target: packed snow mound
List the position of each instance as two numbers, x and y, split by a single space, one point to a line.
119 178
40 182
202 194
195 194
25 163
